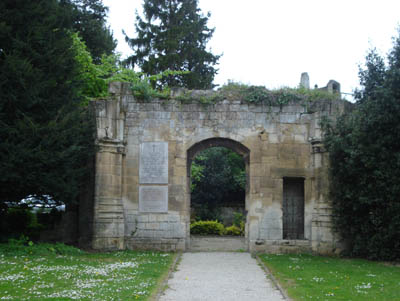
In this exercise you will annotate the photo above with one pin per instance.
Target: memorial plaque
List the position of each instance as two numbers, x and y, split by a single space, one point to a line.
153 199
153 166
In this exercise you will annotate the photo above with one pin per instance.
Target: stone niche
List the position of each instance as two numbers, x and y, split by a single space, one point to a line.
142 195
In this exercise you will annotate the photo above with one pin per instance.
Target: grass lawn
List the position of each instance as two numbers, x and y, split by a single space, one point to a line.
307 277
59 272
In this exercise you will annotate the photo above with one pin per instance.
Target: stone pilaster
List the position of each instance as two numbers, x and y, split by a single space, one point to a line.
108 230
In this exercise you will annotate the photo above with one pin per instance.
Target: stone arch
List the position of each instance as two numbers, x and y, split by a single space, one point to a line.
235 146
275 141
220 142
215 142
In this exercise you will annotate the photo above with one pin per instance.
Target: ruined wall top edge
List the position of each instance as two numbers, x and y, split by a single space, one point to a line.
122 89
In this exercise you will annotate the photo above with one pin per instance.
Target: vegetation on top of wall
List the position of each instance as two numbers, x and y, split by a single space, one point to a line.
95 78
143 91
282 96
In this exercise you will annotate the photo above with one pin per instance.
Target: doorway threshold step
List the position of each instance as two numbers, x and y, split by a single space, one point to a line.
217 243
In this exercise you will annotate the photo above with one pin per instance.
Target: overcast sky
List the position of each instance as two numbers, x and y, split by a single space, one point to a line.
271 42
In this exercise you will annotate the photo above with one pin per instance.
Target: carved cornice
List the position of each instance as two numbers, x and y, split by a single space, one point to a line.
317 146
111 145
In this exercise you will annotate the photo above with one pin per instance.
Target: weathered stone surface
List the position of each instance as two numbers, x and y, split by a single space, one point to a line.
153 199
142 195
215 243
305 80
153 168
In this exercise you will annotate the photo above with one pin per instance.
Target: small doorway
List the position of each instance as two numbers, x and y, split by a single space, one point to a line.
293 208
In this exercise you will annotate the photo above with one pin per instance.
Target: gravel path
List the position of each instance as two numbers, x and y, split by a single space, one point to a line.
220 276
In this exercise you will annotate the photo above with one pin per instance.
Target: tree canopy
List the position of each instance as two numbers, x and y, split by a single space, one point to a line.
364 150
218 179
46 135
89 19
173 35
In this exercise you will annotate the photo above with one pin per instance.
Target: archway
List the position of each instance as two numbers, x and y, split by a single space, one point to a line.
141 195
239 149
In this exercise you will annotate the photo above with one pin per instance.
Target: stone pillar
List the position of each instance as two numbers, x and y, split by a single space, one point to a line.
108 228
323 237
333 86
305 80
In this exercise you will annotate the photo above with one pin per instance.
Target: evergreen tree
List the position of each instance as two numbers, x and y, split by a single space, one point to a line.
46 136
173 35
90 21
364 150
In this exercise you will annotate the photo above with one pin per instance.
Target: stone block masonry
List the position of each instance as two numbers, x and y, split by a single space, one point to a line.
142 194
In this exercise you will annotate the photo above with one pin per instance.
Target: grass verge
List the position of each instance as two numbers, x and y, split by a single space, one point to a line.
308 277
163 280
59 272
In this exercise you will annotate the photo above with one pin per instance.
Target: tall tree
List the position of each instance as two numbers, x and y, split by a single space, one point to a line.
46 136
364 150
173 35
89 18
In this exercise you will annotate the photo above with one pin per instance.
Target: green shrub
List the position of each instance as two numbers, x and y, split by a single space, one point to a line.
24 246
238 218
364 155
21 221
234 231
49 219
238 222
207 228
18 219
241 226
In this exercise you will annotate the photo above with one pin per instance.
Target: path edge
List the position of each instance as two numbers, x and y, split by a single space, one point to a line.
162 285
274 280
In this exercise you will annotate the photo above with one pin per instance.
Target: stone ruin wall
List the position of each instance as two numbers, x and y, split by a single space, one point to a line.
141 206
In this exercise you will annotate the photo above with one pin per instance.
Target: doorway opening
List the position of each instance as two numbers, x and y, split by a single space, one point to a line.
218 177
293 208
